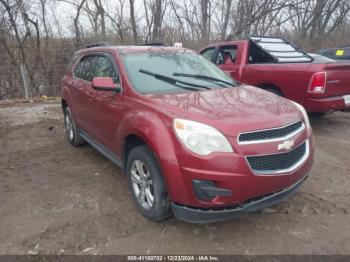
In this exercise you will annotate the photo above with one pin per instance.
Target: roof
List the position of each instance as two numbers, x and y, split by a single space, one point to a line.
134 49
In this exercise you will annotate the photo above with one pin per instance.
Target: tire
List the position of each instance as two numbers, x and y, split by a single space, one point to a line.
71 130
147 185
273 91
317 114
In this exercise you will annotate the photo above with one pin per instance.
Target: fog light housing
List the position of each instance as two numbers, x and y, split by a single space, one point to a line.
206 190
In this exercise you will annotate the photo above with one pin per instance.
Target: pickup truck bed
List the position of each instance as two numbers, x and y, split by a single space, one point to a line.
278 66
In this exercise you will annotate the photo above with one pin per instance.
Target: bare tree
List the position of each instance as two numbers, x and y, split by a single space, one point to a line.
157 14
100 12
76 23
226 18
205 18
133 21
34 35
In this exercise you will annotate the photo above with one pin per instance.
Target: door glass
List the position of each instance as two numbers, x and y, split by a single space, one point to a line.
85 68
104 67
80 69
226 55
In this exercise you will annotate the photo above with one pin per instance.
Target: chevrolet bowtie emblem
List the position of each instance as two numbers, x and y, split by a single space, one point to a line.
286 145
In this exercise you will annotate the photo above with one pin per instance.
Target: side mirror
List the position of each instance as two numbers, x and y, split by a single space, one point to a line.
105 84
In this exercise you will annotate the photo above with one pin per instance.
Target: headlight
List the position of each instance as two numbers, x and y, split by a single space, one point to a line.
200 138
303 111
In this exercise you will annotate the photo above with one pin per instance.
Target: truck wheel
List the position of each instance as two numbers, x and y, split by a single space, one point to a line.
71 131
147 185
274 91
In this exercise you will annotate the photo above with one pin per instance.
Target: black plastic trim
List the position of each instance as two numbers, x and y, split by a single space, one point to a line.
206 190
100 148
200 216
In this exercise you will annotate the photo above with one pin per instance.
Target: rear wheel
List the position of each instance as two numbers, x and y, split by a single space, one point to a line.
147 185
274 91
71 131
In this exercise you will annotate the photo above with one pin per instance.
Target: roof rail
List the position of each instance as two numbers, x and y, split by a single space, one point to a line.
153 44
96 45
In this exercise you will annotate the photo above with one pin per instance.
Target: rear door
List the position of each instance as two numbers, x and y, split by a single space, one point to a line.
82 91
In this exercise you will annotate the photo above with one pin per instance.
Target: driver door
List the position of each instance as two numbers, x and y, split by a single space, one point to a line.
226 60
105 107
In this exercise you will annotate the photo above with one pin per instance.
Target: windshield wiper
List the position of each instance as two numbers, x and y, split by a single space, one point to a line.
203 77
173 81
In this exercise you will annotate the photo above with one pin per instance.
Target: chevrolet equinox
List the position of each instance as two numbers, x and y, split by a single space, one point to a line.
192 141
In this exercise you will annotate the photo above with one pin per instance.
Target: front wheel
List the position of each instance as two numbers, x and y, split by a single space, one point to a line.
317 114
147 185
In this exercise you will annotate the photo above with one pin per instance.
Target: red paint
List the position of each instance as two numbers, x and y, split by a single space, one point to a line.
103 82
110 117
292 79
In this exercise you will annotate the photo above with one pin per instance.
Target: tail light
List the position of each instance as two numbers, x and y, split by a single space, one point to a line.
318 83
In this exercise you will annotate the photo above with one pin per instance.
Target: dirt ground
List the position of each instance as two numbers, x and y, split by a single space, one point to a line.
57 199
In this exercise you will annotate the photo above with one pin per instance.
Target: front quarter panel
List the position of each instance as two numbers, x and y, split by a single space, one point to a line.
155 129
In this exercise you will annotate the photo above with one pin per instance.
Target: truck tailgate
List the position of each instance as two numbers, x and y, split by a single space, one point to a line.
338 79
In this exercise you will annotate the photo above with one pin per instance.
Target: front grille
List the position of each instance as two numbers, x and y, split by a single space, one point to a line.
277 162
270 133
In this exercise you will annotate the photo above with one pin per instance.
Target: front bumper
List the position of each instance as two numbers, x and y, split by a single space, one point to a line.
197 215
326 104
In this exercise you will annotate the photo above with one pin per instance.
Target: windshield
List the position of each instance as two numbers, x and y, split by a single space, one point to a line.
167 64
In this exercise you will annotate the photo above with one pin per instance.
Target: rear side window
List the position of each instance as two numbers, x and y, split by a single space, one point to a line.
258 55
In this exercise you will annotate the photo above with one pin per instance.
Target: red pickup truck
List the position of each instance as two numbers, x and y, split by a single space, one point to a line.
278 66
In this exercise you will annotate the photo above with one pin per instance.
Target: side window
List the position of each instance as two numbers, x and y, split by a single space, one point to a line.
95 66
208 53
104 67
258 56
226 55
79 70
84 69
91 63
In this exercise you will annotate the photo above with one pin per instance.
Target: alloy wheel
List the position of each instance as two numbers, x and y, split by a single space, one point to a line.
69 127
142 184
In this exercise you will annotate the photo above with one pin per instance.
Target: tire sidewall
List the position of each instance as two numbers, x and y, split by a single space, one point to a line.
274 91
161 207
73 140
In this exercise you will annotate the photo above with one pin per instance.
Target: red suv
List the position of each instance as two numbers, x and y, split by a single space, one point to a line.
192 142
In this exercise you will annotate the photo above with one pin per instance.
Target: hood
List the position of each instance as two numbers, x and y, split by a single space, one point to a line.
231 110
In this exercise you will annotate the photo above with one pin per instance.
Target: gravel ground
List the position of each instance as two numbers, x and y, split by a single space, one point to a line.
56 199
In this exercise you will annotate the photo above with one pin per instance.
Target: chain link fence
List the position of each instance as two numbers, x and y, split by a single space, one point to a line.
40 75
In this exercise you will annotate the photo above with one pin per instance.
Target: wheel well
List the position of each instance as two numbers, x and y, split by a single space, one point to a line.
130 142
64 104
270 86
